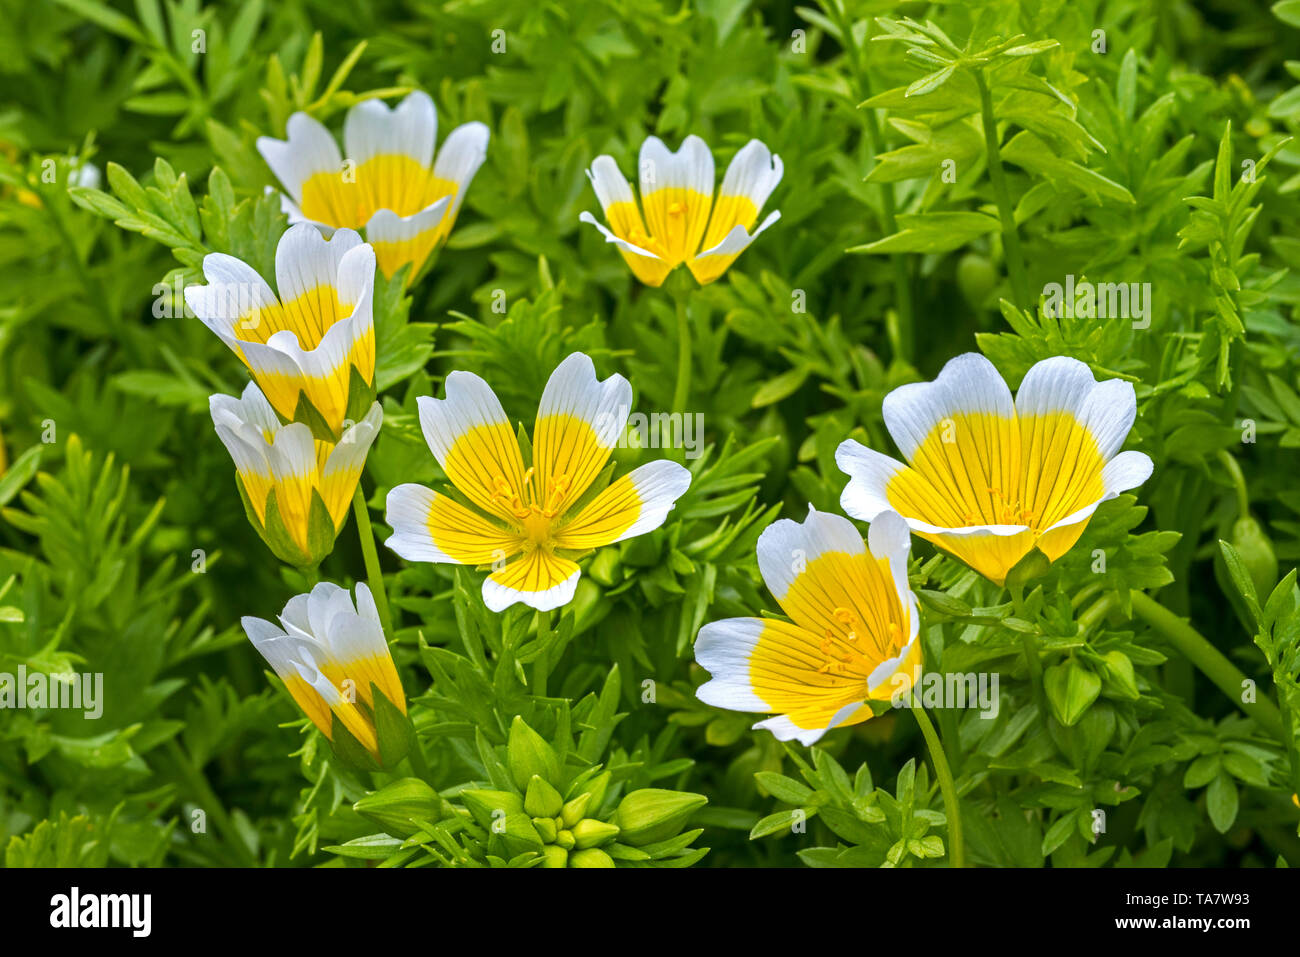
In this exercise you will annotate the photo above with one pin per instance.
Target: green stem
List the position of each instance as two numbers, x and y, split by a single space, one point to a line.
1010 238
1212 662
1032 661
682 391
373 575
897 262
208 802
542 663
1231 466
952 809
419 763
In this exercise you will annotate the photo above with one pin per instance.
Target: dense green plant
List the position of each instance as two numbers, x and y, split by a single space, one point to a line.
944 165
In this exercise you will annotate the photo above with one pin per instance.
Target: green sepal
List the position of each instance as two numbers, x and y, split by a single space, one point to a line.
276 535
1034 565
393 728
320 529
307 413
348 749
361 396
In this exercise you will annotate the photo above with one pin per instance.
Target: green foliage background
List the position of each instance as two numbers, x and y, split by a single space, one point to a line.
1120 166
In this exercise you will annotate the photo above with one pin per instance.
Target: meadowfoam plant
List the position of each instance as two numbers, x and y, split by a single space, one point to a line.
954 522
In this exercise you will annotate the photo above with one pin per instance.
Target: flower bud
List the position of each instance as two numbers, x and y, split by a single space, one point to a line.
651 815
590 857
592 833
553 856
396 805
529 753
542 800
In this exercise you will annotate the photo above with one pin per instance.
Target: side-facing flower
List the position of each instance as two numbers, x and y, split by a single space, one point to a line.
682 223
853 626
529 521
989 479
311 349
389 183
296 488
332 657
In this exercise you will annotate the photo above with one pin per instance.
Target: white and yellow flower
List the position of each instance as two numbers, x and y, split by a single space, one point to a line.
678 220
311 349
389 183
529 520
988 478
296 488
853 626
332 657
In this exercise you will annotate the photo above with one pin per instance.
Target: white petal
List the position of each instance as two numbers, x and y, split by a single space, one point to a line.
967 384
786 547
410 129
309 149
869 472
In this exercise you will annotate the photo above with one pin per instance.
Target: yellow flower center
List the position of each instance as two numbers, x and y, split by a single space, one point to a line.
536 518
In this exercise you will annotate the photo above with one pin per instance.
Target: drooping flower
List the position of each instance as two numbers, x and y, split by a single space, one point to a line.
682 223
988 478
331 656
311 349
296 488
388 184
529 520
853 627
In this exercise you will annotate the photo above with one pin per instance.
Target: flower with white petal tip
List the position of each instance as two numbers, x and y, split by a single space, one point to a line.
389 183
853 626
296 488
682 222
332 657
988 478
529 521
311 349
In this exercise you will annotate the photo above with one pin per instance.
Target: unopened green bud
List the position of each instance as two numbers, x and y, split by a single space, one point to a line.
519 834
653 814
394 806
554 856
592 833
488 806
529 753
565 839
574 811
1119 674
606 568
542 800
546 828
590 857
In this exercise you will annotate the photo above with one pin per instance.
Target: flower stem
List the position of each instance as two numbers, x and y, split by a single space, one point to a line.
1010 238
542 663
888 219
374 576
1032 661
1212 662
207 801
682 390
952 809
